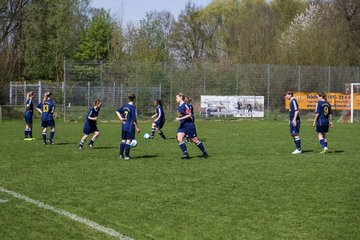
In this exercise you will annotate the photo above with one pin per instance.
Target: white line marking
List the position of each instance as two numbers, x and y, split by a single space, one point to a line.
91 224
3 201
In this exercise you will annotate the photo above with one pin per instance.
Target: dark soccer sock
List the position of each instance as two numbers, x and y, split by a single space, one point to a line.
44 136
152 132
92 141
182 145
297 142
201 146
127 150
26 133
325 142
322 143
30 133
52 134
82 142
162 135
122 147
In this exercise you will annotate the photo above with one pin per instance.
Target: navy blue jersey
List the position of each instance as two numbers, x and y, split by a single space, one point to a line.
323 108
128 112
293 108
47 108
93 112
182 111
29 106
192 112
160 116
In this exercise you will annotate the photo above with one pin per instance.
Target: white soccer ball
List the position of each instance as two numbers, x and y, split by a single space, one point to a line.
146 135
133 143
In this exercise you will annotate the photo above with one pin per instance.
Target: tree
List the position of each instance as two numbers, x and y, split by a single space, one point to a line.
95 41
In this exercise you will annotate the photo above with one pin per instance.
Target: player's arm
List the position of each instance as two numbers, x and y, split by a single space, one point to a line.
316 118
38 107
119 116
296 114
331 120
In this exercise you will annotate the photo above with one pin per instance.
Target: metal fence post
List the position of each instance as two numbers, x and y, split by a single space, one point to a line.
25 91
10 94
204 74
64 89
39 92
299 78
88 95
114 92
171 94
237 79
121 94
329 78
268 90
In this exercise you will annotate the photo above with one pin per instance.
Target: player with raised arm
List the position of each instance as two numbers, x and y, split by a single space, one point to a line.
159 119
47 108
28 115
322 120
186 127
90 125
128 117
294 121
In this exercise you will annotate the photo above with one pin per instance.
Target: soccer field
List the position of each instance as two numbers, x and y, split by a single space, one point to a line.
251 186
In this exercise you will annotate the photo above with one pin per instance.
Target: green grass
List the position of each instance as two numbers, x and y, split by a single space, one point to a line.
251 187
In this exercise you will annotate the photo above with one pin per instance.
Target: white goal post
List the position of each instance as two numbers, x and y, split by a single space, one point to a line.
354 89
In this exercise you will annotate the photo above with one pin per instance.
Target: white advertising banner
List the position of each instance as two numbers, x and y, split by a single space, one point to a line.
234 106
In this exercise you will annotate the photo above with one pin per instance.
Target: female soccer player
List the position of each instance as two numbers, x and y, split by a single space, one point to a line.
294 121
186 127
47 108
159 120
90 125
29 110
322 120
128 117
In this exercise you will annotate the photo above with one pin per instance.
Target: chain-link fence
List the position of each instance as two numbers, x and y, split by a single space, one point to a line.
112 81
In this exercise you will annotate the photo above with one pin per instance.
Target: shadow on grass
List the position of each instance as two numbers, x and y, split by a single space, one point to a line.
65 143
146 156
106 147
307 151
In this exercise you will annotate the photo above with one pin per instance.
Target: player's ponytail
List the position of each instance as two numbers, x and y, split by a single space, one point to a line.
46 96
29 94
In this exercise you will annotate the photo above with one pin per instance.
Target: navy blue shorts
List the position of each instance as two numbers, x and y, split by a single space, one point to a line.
128 135
49 123
28 118
295 130
159 124
189 130
322 128
89 130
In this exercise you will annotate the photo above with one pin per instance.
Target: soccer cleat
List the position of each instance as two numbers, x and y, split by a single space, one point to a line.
32 138
91 146
80 147
205 155
297 151
51 143
151 137
325 150
185 156
127 158
121 156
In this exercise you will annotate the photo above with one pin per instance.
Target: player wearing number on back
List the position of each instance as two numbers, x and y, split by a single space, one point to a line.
47 107
322 120
128 117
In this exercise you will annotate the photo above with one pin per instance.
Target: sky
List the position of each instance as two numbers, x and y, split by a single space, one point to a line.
134 10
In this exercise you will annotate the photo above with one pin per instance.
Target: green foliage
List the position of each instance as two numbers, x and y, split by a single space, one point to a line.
95 42
251 187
